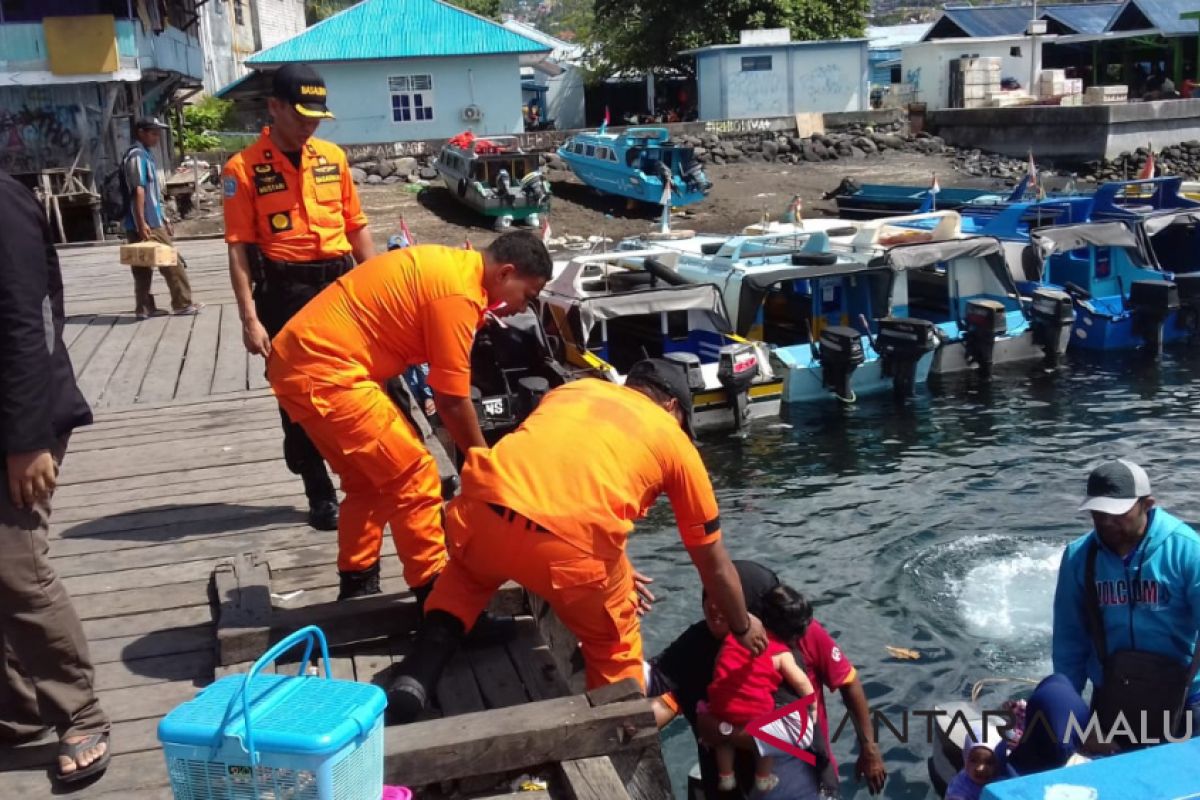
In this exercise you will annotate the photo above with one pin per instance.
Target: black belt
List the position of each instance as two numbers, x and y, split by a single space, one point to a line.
310 273
511 516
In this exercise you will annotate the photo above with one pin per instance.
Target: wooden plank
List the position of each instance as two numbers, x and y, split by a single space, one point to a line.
130 736
497 677
457 691
132 776
250 523
534 663
167 641
256 372
85 344
87 490
523 736
163 373
152 620
364 619
115 431
561 643
195 378
242 589
94 378
145 702
142 599
73 326
127 378
149 459
373 668
229 374
625 689
590 779
195 666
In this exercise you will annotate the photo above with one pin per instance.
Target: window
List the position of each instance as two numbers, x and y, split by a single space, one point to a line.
1015 52
590 151
412 98
237 12
756 63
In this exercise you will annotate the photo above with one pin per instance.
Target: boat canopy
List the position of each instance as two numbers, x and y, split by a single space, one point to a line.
927 254
700 297
1065 238
758 281
1158 223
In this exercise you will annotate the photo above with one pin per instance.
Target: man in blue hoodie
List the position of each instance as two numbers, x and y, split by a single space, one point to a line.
1146 570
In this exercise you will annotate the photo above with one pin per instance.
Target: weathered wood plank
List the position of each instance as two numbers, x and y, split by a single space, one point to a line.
132 776
534 663
229 374
591 779
195 377
127 378
164 642
163 373
256 373
143 599
251 522
373 668
457 691
153 620
87 341
194 666
73 326
208 475
523 736
242 589
94 378
498 681
145 702
149 459
562 644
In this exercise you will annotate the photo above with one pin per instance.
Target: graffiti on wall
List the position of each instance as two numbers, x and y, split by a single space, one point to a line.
826 80
913 79
32 138
737 125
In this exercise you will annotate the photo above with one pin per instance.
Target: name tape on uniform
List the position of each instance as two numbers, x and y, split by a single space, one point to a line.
327 173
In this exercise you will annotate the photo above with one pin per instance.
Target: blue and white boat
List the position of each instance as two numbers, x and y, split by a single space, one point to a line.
637 163
1122 298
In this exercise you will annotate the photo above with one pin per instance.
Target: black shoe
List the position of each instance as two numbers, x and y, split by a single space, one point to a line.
439 638
323 515
359 584
405 701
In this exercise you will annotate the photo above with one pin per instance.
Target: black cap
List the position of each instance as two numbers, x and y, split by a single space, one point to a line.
672 379
302 87
150 124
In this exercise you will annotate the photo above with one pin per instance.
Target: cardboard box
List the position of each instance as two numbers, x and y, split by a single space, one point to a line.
149 254
1053 75
1074 85
1099 95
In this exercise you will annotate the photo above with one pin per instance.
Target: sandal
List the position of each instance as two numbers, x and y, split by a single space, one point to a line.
72 751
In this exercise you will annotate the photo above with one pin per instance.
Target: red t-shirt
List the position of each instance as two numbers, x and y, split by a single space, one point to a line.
743 686
826 666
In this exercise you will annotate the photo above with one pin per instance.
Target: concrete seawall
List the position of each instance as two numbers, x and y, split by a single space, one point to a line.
1069 133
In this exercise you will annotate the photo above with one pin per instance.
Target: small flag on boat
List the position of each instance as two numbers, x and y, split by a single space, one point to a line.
604 124
545 229
409 239
665 225
1147 170
467 244
1032 174
934 188
795 211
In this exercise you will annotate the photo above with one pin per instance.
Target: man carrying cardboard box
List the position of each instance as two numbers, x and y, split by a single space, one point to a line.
146 221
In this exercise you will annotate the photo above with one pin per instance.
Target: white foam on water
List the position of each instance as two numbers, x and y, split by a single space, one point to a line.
1005 597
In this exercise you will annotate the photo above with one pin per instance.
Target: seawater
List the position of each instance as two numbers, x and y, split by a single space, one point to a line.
935 525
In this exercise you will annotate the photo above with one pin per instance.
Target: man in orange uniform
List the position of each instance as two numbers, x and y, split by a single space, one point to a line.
551 505
292 222
329 363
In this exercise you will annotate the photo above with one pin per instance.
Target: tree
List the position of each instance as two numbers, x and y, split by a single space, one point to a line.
640 35
484 8
317 10
201 121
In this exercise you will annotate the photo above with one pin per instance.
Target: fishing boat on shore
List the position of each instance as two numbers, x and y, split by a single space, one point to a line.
641 164
494 177
874 200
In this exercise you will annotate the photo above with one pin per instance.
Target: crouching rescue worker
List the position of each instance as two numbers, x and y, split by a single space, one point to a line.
293 224
328 368
551 506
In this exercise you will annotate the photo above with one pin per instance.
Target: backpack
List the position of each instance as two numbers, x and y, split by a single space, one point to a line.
114 191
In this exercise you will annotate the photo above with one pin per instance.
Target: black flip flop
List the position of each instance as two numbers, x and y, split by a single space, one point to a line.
72 752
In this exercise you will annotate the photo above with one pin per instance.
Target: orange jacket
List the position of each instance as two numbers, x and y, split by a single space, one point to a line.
417 305
292 215
592 458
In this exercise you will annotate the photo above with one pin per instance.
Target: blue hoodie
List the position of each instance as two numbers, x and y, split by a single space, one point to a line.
1165 616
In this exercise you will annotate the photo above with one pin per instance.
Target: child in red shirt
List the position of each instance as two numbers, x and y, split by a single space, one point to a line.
743 686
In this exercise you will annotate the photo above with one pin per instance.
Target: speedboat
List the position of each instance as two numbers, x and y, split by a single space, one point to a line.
873 200
637 163
495 177
1122 298
602 313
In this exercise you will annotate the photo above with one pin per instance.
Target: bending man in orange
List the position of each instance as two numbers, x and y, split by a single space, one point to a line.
328 366
551 505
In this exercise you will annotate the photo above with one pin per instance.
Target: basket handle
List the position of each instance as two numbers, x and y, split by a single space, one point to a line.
308 635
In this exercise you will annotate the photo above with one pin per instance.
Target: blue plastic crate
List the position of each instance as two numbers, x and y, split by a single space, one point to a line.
277 737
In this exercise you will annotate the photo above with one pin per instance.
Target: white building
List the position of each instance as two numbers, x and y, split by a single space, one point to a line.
233 30
925 66
559 77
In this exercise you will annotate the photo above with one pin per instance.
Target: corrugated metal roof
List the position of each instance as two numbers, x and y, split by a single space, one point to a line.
989 20
559 49
1161 14
1083 17
390 29
886 37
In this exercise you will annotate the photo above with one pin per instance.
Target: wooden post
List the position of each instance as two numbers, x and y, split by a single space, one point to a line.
242 597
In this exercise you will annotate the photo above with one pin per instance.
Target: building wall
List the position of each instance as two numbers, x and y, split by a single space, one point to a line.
278 20
565 99
44 127
359 97
926 65
825 78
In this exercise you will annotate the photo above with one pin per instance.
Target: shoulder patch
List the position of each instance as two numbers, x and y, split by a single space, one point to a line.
229 186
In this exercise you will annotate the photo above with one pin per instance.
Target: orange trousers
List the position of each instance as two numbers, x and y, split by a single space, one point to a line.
594 599
388 476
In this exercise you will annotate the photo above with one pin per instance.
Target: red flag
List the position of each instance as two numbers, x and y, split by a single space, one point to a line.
1031 170
1147 170
545 229
406 232
606 118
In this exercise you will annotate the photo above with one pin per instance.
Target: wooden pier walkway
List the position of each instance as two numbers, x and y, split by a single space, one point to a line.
182 471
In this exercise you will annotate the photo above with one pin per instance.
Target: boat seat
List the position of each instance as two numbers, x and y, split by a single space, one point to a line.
813 259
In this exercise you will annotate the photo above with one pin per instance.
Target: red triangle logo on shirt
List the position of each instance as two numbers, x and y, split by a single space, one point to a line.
755 728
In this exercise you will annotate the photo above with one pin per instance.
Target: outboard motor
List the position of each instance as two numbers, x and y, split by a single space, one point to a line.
1189 302
737 367
902 342
534 188
504 185
693 174
690 363
986 322
841 352
1151 303
530 391
1051 317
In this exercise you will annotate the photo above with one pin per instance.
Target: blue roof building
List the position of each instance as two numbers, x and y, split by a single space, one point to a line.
402 70
958 22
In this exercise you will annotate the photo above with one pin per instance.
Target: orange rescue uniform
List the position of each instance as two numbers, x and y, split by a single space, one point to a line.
328 365
551 505
291 214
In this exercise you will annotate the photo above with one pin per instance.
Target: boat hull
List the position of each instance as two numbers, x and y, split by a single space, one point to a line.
633 184
1100 332
805 380
951 357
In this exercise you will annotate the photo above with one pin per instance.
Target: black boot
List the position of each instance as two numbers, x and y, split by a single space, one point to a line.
489 628
323 515
439 638
359 584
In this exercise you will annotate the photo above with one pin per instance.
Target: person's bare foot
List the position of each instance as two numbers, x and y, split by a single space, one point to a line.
73 759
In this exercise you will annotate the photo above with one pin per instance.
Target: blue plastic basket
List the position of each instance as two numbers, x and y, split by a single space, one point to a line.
278 737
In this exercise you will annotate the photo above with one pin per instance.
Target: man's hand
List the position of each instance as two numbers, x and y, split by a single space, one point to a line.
144 231
430 408
31 477
255 337
870 767
754 638
645 598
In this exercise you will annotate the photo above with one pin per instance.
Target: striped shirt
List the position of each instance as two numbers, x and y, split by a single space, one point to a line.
142 170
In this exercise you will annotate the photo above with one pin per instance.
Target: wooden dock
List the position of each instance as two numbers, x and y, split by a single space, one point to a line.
182 475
